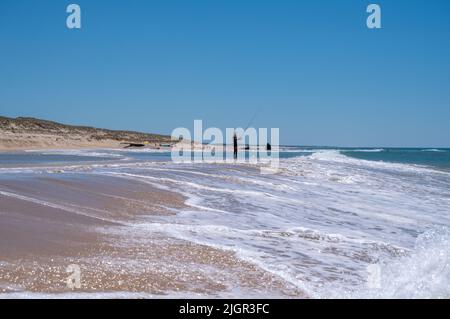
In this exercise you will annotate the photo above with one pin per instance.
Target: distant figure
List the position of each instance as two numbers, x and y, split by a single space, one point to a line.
235 145
269 147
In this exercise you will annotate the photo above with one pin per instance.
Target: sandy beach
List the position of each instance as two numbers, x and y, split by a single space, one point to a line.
30 133
52 220
94 229
138 224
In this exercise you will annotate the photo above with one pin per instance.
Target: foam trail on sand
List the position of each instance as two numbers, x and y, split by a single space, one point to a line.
352 213
317 224
425 273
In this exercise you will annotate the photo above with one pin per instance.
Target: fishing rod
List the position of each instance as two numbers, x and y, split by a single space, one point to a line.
251 120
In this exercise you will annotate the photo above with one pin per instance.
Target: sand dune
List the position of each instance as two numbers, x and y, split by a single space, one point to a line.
30 133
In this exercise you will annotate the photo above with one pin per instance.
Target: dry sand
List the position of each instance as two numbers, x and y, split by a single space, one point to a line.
16 142
30 133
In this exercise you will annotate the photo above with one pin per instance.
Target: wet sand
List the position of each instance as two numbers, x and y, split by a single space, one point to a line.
51 221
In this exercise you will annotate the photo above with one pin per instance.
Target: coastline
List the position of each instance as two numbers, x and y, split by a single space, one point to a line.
141 225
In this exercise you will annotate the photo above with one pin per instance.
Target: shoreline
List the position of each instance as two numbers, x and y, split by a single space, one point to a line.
55 147
161 228
98 222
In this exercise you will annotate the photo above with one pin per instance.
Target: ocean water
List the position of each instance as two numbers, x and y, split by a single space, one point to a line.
334 222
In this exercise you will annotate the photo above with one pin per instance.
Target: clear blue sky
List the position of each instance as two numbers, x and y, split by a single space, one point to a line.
313 67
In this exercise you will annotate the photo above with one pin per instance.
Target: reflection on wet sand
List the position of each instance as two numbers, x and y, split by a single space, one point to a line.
50 222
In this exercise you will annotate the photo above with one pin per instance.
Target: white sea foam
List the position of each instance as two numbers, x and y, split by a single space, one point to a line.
336 156
424 273
85 153
368 150
349 213
432 150
317 224
142 150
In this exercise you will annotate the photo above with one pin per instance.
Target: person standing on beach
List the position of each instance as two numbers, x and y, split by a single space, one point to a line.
235 145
